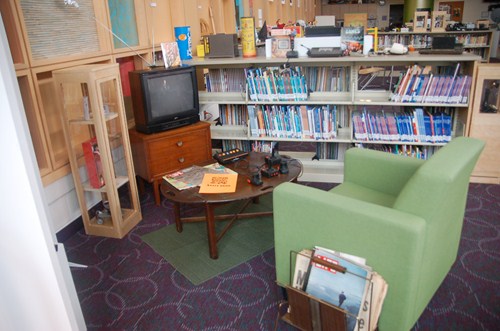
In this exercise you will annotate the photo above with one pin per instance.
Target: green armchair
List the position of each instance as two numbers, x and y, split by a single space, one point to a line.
404 215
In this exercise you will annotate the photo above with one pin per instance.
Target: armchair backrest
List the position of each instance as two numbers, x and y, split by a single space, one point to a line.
437 192
441 182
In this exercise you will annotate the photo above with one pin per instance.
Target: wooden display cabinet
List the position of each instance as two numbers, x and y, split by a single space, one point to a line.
92 108
160 153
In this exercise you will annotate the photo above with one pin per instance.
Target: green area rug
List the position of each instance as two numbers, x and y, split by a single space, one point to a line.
188 253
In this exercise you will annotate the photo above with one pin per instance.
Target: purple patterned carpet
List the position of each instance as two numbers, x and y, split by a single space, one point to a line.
127 286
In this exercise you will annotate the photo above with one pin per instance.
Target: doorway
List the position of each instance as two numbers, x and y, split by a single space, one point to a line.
395 16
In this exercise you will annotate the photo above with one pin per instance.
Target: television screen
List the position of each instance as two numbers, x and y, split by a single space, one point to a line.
170 94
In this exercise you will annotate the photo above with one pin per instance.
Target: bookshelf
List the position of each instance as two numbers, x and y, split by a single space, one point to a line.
346 98
474 41
95 131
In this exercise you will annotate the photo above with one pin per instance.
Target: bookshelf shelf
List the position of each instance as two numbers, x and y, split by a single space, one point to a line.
108 162
344 103
218 97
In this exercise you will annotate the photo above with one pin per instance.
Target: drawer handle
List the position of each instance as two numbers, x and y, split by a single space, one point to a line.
180 143
181 160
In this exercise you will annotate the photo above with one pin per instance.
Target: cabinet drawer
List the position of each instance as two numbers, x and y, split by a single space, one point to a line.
178 152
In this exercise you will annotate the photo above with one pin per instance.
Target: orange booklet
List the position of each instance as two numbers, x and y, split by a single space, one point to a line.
219 183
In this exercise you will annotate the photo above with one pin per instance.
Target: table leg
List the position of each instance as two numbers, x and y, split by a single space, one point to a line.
156 190
177 215
212 237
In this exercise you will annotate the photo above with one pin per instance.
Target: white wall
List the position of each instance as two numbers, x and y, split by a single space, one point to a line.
37 292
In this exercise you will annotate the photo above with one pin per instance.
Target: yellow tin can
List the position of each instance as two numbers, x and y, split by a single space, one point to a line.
248 37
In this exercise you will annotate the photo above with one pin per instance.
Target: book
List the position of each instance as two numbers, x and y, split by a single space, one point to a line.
218 183
352 38
171 56
344 290
93 163
302 261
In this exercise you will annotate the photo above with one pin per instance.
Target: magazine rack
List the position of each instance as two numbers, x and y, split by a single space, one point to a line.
309 313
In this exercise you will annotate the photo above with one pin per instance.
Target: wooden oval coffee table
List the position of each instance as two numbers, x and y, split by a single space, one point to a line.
244 191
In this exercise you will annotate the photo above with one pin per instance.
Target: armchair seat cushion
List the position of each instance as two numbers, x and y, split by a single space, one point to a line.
366 194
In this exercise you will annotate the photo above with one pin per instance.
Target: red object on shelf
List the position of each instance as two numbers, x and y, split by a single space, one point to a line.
93 163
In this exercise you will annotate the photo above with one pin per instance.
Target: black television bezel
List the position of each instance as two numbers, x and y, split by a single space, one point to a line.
142 105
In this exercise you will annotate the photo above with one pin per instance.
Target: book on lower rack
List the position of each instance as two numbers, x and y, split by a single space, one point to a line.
193 176
360 291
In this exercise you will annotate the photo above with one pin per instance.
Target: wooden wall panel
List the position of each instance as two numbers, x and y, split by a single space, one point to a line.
14 34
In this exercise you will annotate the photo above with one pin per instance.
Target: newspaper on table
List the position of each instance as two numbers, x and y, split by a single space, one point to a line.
193 176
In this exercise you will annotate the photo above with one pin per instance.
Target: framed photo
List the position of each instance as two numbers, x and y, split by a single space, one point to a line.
420 21
438 21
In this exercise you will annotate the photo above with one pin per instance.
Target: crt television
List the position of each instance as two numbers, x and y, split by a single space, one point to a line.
164 99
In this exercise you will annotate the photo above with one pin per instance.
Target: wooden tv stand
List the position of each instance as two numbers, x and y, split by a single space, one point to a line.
160 153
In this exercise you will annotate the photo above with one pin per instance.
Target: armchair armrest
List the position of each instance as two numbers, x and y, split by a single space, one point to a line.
392 241
371 169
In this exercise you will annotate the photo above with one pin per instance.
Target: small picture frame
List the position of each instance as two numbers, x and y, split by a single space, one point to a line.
420 21
438 21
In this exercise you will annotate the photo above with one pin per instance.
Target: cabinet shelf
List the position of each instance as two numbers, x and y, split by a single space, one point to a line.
119 182
91 121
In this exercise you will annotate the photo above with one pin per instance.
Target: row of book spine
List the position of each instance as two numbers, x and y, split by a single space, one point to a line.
419 152
327 79
336 151
420 85
273 84
233 114
472 39
225 80
244 145
331 151
299 122
409 126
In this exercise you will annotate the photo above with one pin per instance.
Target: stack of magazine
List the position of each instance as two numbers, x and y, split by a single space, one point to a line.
359 291
193 176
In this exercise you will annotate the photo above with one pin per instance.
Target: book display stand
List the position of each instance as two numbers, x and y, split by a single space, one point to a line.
95 131
310 313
